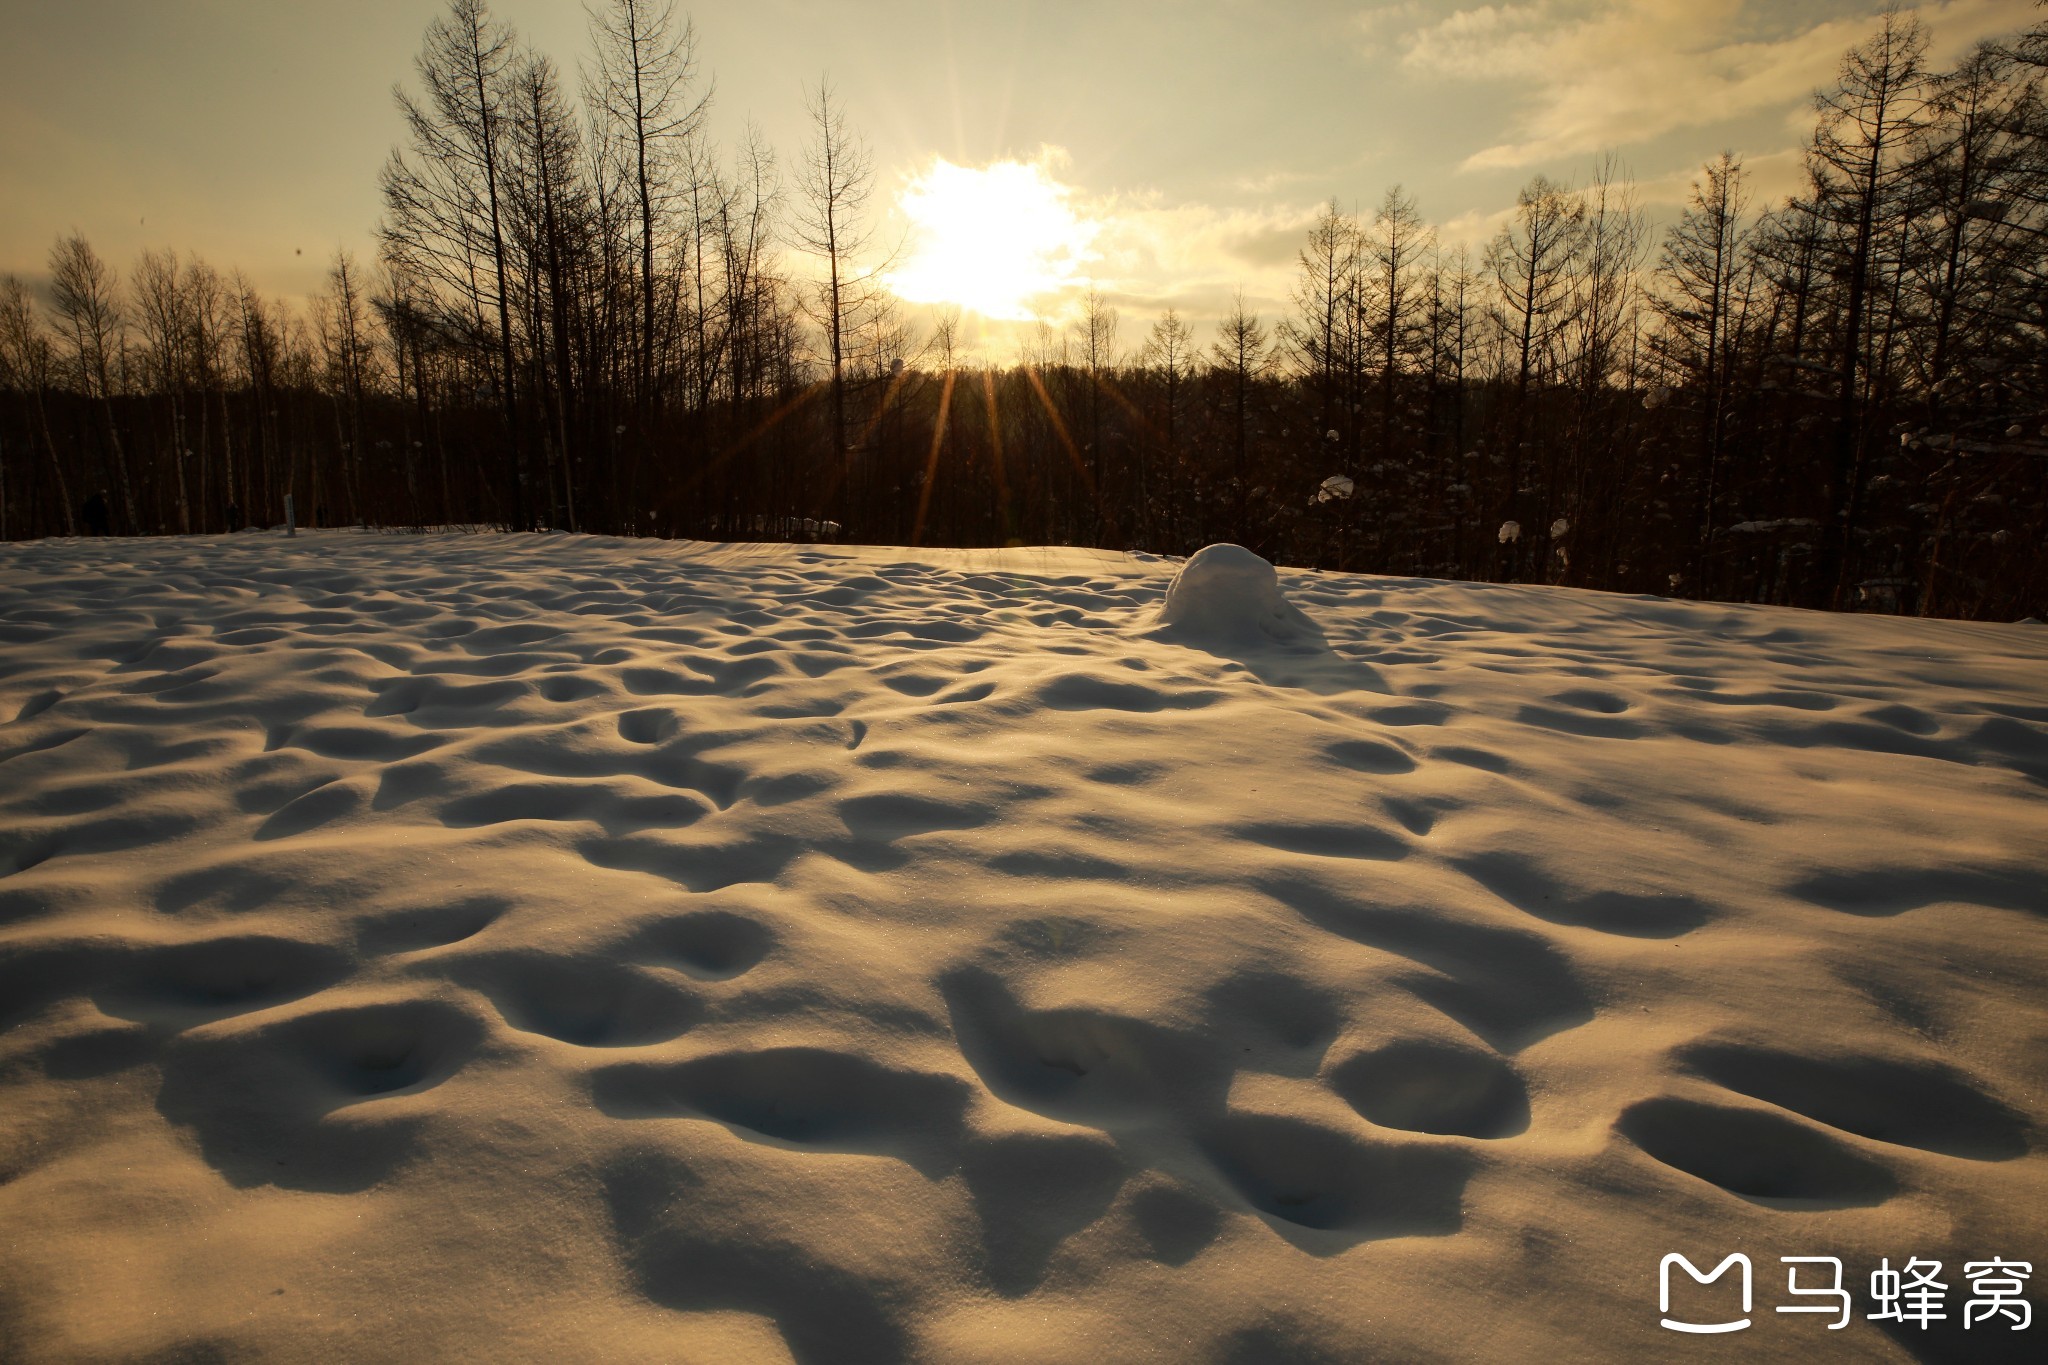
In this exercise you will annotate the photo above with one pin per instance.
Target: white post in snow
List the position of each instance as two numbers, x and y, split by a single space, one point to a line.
291 524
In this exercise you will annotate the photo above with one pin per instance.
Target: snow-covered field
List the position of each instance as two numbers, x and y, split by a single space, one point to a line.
557 948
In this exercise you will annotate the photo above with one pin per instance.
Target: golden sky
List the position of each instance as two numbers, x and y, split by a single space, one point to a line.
1171 150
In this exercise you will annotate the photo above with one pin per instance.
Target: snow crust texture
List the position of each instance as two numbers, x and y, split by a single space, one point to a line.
479 947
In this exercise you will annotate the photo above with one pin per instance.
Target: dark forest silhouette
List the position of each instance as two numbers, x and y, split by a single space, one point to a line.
585 316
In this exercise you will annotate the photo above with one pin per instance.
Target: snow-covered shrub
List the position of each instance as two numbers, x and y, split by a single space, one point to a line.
1227 595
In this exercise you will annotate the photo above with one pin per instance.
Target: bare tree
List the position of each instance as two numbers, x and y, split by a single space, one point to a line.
1169 355
1696 305
160 319
1977 232
1979 188
1394 249
443 217
347 348
1859 162
1326 308
746 218
553 232
261 337
29 363
1600 342
1243 356
644 86
1605 271
1098 328
835 180
946 337
1448 309
88 304
395 300
1530 262
206 316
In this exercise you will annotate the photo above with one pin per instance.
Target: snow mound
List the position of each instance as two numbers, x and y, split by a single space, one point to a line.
1226 594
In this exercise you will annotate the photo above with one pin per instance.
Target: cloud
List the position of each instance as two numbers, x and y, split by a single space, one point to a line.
1608 73
1768 179
1381 28
1474 229
1205 251
1270 181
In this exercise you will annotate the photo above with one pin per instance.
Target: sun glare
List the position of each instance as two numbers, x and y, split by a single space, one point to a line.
1001 240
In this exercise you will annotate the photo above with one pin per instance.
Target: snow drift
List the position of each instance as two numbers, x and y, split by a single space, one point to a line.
488 947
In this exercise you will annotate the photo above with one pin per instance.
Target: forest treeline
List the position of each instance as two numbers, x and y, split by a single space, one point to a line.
585 315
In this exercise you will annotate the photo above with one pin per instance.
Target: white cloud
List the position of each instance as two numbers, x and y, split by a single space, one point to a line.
1475 229
1143 232
1608 73
1381 27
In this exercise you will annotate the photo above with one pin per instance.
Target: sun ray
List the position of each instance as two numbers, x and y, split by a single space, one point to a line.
1059 427
760 429
896 382
840 473
931 464
995 446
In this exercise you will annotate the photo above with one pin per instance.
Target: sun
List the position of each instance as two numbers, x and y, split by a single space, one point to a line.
995 240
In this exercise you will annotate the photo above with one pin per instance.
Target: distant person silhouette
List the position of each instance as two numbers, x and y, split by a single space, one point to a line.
234 516
94 513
